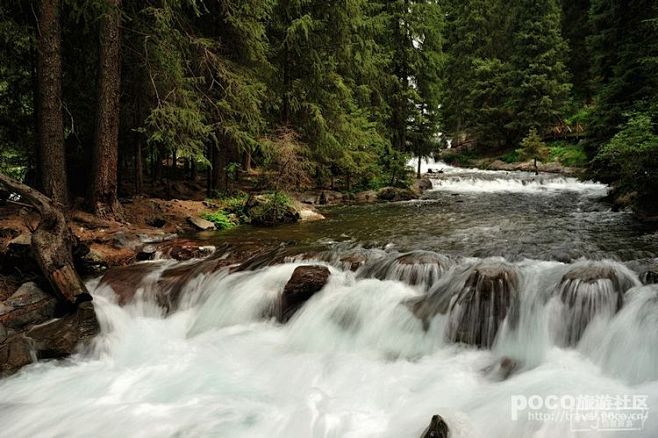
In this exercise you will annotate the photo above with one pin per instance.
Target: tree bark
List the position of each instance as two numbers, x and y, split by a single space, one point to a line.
104 187
51 245
52 157
246 161
139 165
419 163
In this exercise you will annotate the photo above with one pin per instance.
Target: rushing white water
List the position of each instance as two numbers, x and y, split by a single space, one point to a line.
353 362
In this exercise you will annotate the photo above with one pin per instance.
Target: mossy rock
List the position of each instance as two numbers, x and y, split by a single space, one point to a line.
271 210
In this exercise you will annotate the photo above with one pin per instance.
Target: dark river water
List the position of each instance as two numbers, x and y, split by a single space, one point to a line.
479 214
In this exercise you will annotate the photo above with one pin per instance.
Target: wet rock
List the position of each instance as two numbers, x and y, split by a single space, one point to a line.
125 280
19 318
15 353
586 291
303 284
478 310
58 338
416 268
438 428
201 224
147 253
502 369
27 293
423 184
353 261
649 277
393 194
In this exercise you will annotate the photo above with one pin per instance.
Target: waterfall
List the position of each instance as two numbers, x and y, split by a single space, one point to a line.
378 351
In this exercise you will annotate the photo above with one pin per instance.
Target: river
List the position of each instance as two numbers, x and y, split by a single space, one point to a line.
581 336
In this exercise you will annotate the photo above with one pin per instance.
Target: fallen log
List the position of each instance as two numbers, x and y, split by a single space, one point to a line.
52 242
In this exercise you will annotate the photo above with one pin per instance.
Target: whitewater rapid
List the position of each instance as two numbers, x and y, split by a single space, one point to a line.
353 362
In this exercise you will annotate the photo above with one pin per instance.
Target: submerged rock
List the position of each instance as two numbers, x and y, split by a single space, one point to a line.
489 295
649 277
416 268
305 282
595 289
438 428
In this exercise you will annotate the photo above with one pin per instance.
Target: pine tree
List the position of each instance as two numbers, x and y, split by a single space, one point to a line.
103 197
624 49
51 128
539 82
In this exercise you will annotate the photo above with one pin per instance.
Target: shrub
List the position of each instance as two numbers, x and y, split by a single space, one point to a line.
221 220
568 155
533 148
630 160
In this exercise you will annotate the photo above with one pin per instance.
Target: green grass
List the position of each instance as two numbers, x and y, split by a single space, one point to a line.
568 154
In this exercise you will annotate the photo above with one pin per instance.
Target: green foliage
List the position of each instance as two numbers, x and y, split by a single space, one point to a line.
459 157
511 157
630 159
568 154
533 148
220 219
271 209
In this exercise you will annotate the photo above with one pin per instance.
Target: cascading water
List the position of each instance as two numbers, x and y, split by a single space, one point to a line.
393 338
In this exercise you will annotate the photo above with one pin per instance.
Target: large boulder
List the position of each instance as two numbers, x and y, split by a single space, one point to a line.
270 210
438 428
476 312
59 338
53 339
392 194
305 282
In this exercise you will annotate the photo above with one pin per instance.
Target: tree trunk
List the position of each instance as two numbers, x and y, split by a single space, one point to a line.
219 176
52 157
51 244
419 163
139 165
104 187
246 161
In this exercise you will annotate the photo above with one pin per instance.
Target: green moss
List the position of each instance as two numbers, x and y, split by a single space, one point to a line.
221 220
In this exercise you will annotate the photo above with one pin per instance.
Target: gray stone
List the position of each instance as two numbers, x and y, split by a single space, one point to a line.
201 224
4 308
27 293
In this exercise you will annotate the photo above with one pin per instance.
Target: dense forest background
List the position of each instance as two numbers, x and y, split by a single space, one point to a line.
103 98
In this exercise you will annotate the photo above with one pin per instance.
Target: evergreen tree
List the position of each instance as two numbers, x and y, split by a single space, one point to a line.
539 85
624 49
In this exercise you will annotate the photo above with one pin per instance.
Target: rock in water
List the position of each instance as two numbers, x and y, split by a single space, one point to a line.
595 289
303 284
438 428
649 277
201 224
478 310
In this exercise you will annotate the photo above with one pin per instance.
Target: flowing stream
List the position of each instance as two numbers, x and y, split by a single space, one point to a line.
494 288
